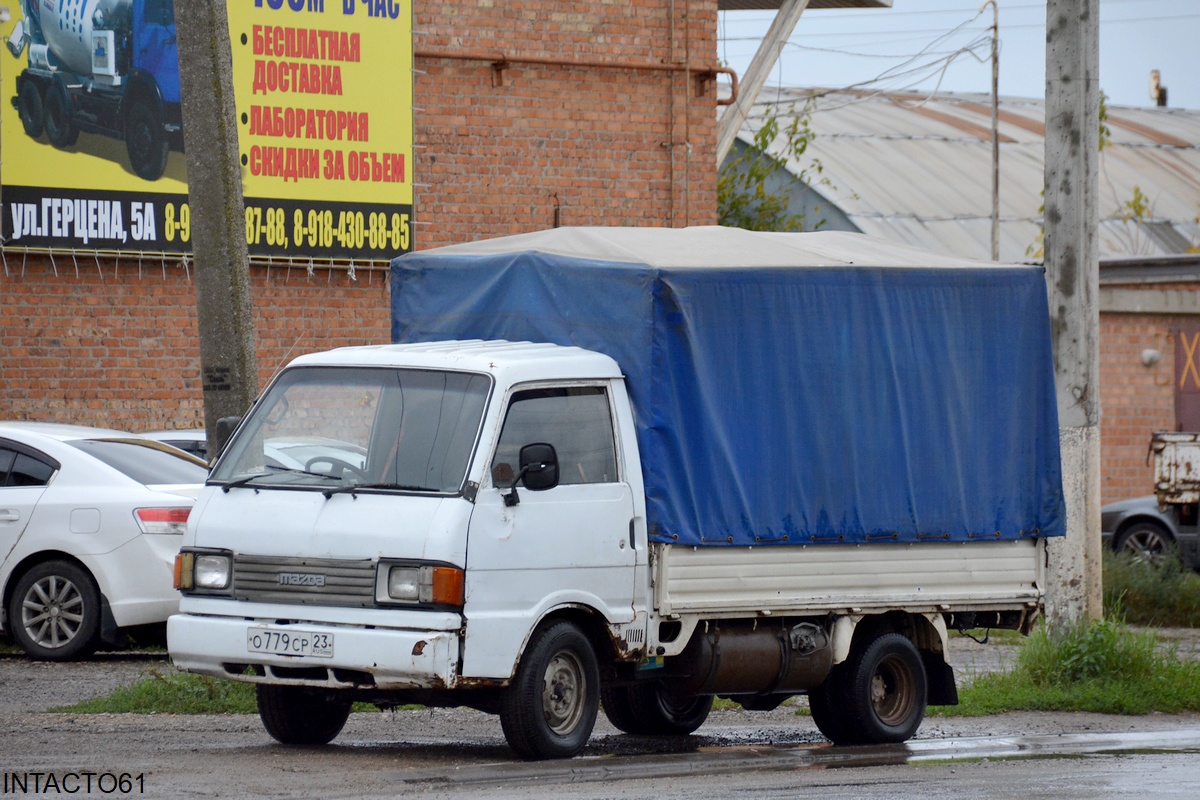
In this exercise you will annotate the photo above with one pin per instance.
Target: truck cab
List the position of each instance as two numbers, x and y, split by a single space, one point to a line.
400 520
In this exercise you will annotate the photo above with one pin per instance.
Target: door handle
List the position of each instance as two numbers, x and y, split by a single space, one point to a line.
8 515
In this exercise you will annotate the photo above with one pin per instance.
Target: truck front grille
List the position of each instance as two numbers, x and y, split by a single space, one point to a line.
304 581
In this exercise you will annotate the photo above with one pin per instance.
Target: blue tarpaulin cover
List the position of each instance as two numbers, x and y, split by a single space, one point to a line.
787 388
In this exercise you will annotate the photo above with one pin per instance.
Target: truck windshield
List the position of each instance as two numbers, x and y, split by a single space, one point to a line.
337 428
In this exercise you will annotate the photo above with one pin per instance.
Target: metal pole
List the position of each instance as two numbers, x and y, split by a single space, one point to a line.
1073 280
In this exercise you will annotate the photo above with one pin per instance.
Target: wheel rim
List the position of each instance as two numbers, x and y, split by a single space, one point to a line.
1145 545
52 612
563 693
893 689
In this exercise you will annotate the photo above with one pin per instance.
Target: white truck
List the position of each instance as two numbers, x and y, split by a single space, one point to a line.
637 469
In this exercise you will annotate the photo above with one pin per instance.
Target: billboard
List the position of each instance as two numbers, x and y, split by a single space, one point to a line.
91 157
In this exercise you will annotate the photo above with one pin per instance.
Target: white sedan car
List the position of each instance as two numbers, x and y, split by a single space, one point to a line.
90 522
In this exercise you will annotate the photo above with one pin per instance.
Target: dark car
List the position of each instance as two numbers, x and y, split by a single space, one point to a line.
1145 530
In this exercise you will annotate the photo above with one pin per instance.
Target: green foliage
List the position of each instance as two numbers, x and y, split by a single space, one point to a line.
1137 208
179 693
743 200
174 693
1161 592
1105 131
1102 667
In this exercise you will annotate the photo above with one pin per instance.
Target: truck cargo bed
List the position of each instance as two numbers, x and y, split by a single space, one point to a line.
932 577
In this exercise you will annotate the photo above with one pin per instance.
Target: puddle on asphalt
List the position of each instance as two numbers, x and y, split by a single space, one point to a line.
708 759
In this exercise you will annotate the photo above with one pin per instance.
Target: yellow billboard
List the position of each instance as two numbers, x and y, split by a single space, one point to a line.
91 157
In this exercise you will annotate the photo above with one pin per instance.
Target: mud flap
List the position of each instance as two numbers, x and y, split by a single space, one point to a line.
943 691
109 632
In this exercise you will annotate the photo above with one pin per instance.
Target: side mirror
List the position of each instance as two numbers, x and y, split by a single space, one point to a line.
539 467
225 428
539 470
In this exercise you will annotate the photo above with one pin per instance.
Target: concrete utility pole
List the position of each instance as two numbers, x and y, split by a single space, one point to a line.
1073 278
229 370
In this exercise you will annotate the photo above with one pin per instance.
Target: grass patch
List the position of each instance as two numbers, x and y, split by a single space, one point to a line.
1104 667
180 693
173 693
1161 593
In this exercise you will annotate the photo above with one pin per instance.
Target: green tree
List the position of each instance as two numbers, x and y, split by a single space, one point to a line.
743 198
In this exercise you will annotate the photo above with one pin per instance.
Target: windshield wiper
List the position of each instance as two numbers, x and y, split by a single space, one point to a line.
234 484
243 481
353 489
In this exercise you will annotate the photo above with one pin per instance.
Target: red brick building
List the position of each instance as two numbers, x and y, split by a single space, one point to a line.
528 114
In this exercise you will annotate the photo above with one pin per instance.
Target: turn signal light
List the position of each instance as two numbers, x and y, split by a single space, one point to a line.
448 586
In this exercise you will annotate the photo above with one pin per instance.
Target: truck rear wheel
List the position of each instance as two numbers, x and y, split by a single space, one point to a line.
550 708
60 130
32 108
299 715
146 141
649 709
885 691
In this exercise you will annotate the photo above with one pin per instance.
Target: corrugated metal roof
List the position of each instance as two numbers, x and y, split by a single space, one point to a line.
917 170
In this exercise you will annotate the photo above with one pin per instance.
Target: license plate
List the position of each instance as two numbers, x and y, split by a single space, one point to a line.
278 641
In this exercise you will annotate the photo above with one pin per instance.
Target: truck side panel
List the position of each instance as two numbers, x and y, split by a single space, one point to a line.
858 579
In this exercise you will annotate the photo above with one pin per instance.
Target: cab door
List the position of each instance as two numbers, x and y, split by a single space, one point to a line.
565 546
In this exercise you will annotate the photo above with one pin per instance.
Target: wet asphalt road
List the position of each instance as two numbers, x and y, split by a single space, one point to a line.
460 753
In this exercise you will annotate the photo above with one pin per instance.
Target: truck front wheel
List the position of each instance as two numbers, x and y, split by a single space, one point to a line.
146 141
649 709
60 130
299 715
32 108
550 708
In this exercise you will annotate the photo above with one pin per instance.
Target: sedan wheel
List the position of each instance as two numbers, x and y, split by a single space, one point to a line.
54 612
1145 543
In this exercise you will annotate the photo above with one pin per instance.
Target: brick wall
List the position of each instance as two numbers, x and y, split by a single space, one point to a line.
1135 400
542 144
115 345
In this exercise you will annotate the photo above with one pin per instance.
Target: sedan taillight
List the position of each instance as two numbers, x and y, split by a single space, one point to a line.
162 520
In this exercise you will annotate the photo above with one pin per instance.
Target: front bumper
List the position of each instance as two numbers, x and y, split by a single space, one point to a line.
382 658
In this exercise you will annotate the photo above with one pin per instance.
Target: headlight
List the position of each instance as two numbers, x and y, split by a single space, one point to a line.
203 571
212 571
425 584
404 583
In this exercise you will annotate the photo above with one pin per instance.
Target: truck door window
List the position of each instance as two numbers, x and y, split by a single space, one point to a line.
576 420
